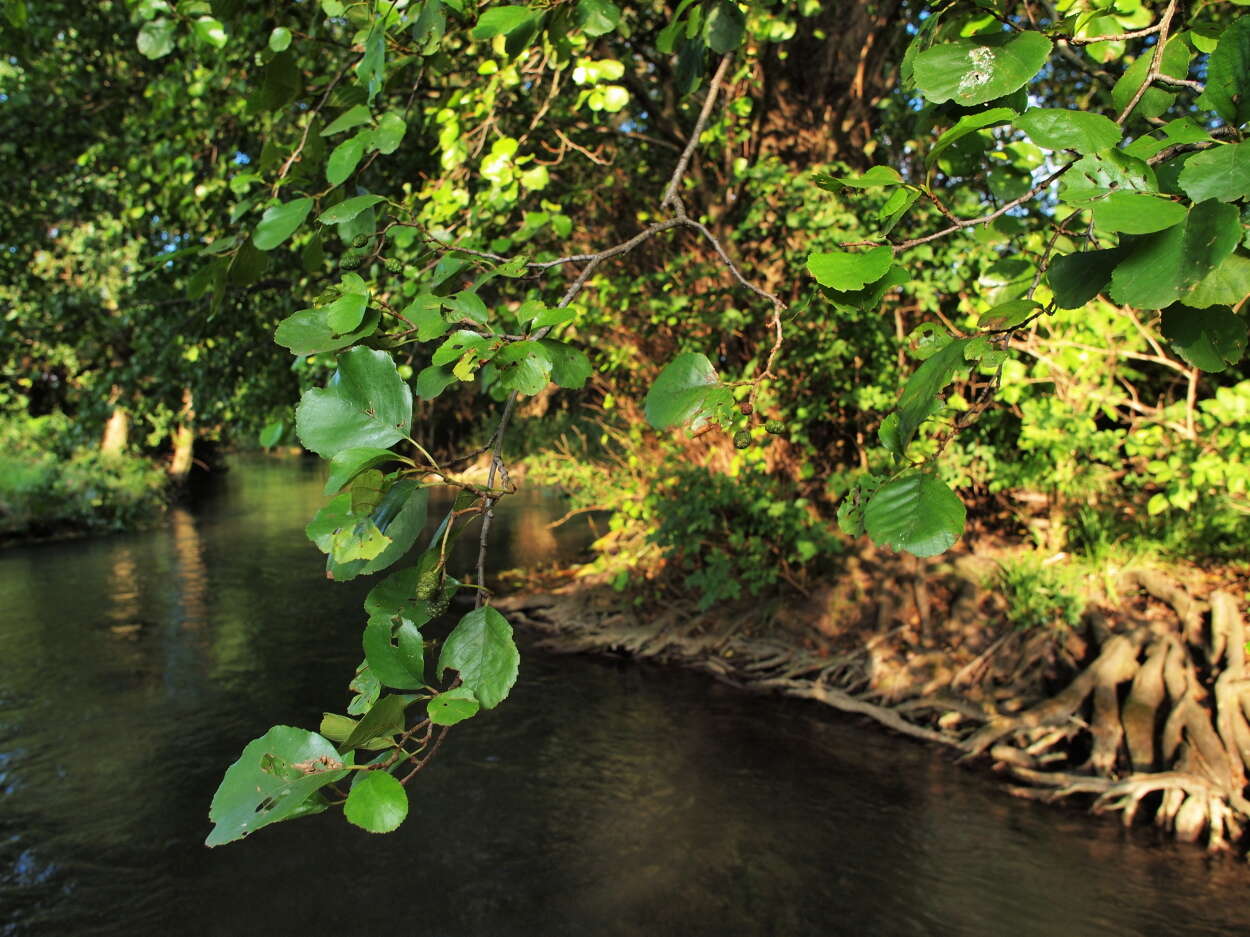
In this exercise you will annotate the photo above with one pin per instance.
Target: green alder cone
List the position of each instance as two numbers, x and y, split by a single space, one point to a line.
775 428
742 439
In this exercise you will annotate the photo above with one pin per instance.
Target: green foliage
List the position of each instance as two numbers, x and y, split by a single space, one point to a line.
1063 257
1040 595
740 537
49 485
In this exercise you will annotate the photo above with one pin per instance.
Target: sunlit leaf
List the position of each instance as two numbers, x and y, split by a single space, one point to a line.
847 271
1228 74
279 223
917 513
687 391
973 71
1061 129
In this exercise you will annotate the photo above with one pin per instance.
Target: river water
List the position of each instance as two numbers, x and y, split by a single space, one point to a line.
602 799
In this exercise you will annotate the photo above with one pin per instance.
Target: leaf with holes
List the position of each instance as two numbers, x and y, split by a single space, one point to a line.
276 778
279 223
452 707
979 69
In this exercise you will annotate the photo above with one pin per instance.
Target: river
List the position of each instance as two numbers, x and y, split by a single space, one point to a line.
602 798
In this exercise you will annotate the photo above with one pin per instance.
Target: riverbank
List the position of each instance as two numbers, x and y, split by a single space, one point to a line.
1141 708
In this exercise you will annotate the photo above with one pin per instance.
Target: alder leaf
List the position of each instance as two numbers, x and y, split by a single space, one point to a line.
917 513
979 69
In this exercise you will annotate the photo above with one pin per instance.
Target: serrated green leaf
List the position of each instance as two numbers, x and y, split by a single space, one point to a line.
401 516
569 366
686 392
377 803
1228 74
1156 100
352 117
433 380
845 271
1093 178
501 20
596 17
365 403
480 648
345 157
1061 129
1210 339
346 313
922 388
348 463
359 541
400 664
979 69
389 133
308 333
1008 315
1137 213
524 367
1226 285
875 177
917 513
371 69
396 596
452 707
279 222
348 209
275 778
1075 279
1221 173
1159 268
969 124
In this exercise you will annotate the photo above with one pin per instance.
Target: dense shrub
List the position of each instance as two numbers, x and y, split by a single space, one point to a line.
48 485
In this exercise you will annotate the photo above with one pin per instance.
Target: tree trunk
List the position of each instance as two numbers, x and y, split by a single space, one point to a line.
822 88
184 440
117 429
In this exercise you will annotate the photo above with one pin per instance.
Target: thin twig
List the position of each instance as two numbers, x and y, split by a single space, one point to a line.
670 191
1155 62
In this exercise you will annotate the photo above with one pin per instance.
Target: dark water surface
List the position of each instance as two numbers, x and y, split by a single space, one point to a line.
601 799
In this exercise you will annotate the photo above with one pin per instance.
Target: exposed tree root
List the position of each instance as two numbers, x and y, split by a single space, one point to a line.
1141 716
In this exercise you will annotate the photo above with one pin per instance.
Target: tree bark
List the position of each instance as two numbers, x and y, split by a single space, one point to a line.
184 440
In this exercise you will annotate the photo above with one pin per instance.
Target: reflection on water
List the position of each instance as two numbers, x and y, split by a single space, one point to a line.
603 799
